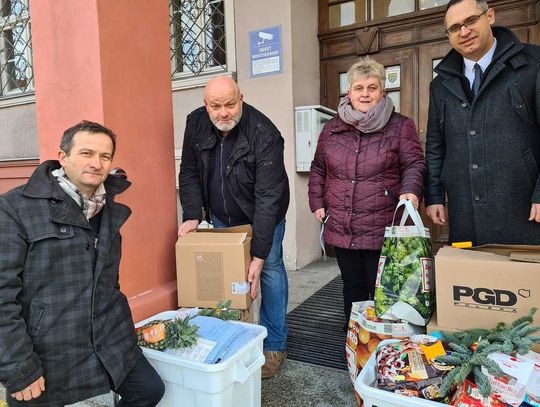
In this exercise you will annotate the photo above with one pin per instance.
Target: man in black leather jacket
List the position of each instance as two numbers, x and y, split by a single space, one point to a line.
232 167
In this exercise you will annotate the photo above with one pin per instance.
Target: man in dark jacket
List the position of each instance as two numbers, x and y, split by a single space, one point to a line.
483 134
232 166
66 331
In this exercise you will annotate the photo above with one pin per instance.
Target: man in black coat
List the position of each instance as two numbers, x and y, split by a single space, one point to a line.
66 331
232 167
483 134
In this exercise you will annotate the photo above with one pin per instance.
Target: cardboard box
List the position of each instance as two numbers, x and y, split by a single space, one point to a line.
481 286
212 266
433 326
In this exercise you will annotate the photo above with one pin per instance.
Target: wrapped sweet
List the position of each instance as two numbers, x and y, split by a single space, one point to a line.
408 367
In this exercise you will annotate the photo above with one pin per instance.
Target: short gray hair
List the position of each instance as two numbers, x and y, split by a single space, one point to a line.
366 67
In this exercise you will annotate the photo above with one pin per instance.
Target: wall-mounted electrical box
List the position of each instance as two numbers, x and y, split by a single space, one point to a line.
309 121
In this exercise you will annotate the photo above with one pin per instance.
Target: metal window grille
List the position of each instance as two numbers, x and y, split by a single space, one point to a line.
197 30
16 73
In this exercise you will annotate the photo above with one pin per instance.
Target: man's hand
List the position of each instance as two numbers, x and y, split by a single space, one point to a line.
254 273
535 212
436 214
410 197
31 392
320 214
187 226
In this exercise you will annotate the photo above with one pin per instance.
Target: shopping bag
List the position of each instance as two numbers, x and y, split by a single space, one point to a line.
404 285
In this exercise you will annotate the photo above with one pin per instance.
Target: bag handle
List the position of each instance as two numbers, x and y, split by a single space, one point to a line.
409 211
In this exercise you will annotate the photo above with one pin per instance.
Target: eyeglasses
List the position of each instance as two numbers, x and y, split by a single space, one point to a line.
469 22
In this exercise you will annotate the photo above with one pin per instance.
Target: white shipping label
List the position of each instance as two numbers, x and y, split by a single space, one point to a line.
240 287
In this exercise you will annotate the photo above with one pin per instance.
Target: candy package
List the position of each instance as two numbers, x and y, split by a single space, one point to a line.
408 367
468 395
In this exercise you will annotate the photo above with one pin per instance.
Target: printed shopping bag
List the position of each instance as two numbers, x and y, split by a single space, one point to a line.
404 285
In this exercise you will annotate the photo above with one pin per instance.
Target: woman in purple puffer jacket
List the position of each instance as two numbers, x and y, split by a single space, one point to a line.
367 159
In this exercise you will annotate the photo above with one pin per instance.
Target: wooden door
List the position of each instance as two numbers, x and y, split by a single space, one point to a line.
428 57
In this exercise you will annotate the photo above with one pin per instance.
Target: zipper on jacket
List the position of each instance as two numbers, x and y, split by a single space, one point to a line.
223 181
388 193
95 242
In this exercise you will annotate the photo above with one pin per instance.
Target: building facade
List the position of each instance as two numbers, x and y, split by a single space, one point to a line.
318 41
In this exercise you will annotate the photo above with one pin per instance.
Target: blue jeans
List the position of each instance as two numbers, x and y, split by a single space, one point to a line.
274 291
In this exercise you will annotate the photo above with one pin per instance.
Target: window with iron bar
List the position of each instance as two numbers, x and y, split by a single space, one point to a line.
16 72
200 37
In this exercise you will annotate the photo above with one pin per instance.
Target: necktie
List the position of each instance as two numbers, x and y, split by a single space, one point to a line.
477 79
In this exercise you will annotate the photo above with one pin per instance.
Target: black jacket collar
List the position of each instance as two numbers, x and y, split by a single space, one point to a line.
205 134
508 45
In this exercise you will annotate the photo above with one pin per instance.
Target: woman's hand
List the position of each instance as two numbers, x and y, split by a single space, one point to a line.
410 197
320 214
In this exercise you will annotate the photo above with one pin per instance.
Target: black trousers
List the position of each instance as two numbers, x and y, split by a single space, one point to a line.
358 272
142 387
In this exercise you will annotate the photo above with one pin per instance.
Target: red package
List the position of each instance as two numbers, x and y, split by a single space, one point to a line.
468 395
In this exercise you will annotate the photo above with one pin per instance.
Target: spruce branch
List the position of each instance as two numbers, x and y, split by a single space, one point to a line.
482 382
508 339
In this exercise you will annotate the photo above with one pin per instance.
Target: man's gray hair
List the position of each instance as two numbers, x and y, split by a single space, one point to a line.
482 4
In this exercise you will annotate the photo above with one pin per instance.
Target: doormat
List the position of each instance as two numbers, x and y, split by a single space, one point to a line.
316 328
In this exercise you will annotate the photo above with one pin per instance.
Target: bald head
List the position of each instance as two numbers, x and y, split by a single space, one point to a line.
223 102
221 85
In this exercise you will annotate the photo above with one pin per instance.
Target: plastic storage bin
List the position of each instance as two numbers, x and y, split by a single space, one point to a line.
381 398
235 382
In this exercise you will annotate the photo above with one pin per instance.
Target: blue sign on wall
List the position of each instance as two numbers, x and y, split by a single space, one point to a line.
265 51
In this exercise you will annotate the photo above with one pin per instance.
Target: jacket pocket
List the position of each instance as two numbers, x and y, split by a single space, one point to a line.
519 104
35 315
530 163
50 231
392 160
245 169
441 116
387 192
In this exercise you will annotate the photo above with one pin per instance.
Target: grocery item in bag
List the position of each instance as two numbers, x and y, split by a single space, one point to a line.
468 395
404 285
408 367
365 331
